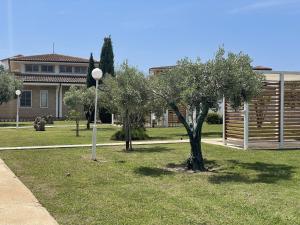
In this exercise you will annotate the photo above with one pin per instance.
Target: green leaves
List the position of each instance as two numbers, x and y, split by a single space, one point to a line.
73 97
8 85
193 83
126 91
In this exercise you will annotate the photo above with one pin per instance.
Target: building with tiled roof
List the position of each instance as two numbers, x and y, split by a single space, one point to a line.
50 58
45 79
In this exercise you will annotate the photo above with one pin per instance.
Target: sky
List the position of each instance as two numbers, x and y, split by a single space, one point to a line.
154 33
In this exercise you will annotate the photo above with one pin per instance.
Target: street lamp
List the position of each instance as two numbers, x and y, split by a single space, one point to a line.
18 92
97 75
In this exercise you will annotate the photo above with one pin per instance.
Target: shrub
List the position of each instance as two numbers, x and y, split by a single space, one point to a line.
39 124
136 134
49 119
214 118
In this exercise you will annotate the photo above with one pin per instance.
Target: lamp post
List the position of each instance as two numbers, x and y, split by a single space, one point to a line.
97 75
18 92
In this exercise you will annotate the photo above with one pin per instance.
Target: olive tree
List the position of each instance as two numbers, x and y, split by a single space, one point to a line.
126 94
78 100
88 96
200 86
8 85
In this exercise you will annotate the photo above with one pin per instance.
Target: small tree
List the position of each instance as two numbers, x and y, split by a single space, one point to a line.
88 96
74 101
8 85
127 96
200 86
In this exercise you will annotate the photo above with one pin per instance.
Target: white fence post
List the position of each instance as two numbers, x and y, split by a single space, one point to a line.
281 131
166 118
246 125
224 125
112 119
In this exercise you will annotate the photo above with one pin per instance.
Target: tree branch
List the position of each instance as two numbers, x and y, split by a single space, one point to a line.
201 117
180 117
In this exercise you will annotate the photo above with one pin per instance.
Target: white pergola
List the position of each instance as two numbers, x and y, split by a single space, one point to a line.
270 121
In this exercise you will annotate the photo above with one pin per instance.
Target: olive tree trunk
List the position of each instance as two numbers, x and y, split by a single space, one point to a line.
127 130
88 123
77 127
195 161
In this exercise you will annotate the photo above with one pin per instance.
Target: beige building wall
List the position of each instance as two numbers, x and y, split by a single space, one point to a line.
8 110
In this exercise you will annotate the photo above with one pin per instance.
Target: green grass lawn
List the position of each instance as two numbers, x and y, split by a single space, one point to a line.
66 135
244 187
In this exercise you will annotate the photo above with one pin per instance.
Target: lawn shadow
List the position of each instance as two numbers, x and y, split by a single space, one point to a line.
211 165
152 171
265 173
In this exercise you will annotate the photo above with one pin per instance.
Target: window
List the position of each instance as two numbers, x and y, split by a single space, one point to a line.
80 69
47 68
31 68
65 69
44 99
25 100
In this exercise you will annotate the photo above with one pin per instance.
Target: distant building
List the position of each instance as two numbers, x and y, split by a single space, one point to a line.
45 78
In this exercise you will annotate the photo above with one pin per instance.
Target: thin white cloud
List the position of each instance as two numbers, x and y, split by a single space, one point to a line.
263 5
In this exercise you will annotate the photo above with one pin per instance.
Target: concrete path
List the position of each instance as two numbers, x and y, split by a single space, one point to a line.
90 145
47 126
215 141
18 206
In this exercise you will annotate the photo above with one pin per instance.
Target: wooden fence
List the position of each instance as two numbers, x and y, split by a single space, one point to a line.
272 117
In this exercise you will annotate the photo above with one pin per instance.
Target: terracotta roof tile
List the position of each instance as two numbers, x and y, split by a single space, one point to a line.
261 68
41 78
51 58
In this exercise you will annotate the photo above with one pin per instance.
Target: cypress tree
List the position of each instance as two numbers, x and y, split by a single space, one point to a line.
106 64
107 58
90 81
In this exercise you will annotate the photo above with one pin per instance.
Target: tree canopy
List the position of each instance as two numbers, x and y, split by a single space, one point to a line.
200 86
79 100
126 95
8 85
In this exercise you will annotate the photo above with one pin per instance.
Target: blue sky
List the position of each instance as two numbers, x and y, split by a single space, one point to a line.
156 32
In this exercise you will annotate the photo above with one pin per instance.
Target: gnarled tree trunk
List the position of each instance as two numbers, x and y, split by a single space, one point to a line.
195 161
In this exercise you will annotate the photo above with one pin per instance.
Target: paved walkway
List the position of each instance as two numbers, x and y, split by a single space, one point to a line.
18 206
215 141
90 145
47 126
